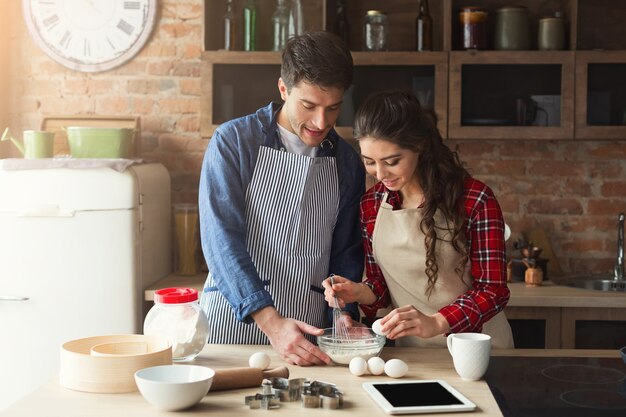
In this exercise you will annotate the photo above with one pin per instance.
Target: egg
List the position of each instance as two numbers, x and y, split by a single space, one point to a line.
358 366
396 368
376 365
378 328
259 360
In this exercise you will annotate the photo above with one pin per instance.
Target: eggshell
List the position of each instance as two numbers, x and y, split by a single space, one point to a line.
378 328
358 366
396 368
376 365
259 360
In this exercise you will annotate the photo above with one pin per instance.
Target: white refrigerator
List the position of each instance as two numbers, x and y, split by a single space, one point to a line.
77 248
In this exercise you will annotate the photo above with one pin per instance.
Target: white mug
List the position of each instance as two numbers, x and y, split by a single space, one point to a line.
470 354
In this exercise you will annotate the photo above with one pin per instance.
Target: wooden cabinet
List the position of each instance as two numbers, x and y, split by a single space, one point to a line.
568 327
535 328
600 95
238 83
476 94
560 317
492 91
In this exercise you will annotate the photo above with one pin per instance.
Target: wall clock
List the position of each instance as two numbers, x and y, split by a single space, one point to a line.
90 35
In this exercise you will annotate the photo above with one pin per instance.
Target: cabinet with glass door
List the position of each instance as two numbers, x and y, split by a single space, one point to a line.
600 70
501 84
575 92
237 82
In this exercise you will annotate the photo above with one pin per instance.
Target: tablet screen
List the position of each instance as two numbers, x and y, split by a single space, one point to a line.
422 394
408 397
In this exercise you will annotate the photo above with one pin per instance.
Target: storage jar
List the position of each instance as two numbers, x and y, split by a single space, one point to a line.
551 36
176 315
473 22
375 31
187 225
512 30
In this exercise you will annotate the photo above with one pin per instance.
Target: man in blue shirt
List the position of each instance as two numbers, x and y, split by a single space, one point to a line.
279 208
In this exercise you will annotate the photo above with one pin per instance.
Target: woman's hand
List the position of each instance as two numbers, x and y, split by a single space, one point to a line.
345 290
409 321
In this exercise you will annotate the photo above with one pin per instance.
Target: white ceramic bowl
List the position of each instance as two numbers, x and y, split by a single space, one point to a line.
174 387
363 343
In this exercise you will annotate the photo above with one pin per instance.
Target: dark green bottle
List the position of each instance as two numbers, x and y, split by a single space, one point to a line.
249 26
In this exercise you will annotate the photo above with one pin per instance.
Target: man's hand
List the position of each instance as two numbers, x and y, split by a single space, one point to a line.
287 338
346 292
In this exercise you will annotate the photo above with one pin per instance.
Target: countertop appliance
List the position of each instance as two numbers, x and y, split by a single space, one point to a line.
558 387
77 248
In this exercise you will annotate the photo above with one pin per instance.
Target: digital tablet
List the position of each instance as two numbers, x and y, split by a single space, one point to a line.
415 397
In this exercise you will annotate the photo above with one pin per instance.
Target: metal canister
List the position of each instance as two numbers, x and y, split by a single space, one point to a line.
551 36
512 31
473 21
375 31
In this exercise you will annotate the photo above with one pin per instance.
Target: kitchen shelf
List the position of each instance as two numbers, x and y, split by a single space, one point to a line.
242 82
600 25
237 83
536 10
600 95
484 87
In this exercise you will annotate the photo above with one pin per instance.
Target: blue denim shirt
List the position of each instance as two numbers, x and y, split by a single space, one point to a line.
226 173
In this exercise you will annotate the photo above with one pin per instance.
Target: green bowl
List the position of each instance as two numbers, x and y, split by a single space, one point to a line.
100 142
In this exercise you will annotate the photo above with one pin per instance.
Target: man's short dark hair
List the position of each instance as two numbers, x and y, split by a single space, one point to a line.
319 58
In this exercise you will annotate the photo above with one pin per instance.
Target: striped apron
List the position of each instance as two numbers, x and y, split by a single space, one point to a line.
399 250
292 203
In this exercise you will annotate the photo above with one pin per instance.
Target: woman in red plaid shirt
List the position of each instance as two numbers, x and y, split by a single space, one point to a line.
433 235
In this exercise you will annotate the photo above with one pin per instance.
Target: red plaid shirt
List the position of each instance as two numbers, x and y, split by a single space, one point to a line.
485 235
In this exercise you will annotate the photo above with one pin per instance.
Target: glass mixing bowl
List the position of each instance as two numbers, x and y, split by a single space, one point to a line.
363 342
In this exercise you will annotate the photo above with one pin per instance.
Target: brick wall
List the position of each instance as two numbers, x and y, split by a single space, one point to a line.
573 190
161 85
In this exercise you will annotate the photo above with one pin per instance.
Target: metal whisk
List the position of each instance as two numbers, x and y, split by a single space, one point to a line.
340 330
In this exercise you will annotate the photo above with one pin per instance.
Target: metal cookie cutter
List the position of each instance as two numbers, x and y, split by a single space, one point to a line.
313 394
287 390
265 399
318 394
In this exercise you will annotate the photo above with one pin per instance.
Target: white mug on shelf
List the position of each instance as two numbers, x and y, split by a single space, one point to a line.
470 354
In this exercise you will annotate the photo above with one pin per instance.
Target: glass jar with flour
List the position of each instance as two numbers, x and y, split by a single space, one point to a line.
176 315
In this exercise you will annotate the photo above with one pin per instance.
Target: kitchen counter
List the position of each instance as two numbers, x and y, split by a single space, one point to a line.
557 312
54 400
546 295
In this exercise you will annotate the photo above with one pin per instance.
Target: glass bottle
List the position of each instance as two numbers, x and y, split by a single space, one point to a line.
280 24
375 31
230 28
296 19
423 28
249 26
341 26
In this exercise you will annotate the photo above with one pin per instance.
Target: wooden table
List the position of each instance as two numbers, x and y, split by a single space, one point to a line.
54 400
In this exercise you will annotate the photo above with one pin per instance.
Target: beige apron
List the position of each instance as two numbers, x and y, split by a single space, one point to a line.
398 248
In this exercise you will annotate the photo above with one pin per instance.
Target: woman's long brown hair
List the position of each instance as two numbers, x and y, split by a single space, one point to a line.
398 117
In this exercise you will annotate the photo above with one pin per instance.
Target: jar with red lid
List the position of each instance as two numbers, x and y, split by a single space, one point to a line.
473 22
177 316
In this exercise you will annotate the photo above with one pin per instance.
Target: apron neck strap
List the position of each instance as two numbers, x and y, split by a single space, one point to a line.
272 138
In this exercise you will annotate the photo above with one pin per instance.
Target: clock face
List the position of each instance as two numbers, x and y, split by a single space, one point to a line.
90 35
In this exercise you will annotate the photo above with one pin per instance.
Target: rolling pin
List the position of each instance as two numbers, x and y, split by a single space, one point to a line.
245 377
